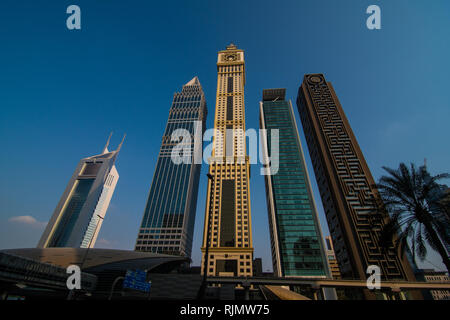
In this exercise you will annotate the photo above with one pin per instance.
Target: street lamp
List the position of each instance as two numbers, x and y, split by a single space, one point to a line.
113 285
201 292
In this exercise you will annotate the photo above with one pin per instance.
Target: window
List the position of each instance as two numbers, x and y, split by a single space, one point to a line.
230 85
229 108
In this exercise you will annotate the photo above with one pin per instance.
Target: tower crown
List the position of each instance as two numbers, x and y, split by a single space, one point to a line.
230 56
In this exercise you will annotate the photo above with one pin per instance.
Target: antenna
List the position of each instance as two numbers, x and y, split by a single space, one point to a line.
107 143
120 145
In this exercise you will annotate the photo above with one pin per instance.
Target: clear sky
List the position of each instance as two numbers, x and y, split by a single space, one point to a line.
62 91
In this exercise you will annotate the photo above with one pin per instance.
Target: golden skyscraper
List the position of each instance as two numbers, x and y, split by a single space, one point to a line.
230 250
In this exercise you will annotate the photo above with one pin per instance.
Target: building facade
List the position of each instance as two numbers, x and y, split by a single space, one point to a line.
334 266
257 267
295 232
346 185
168 222
430 275
79 214
228 194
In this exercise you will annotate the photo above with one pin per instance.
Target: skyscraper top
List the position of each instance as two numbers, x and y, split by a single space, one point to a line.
274 94
231 49
106 153
194 81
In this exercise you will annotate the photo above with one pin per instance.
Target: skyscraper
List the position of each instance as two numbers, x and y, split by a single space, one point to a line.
79 214
295 233
228 194
334 266
168 222
346 185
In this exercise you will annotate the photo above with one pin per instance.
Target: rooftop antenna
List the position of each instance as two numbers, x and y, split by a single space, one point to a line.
105 149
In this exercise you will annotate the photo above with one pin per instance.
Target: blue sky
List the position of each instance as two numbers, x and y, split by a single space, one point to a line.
63 91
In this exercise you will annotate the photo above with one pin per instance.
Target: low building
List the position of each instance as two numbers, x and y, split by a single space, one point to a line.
108 267
430 275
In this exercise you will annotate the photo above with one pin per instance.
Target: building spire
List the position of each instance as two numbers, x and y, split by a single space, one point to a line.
193 81
105 149
120 145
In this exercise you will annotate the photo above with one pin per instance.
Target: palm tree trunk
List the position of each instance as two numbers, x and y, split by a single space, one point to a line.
438 244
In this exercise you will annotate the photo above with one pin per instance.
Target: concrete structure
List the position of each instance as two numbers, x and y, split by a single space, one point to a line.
228 194
79 214
21 275
280 293
432 276
346 186
295 232
168 222
106 267
389 290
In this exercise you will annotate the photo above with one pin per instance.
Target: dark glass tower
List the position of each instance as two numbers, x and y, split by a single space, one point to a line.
295 233
346 185
168 222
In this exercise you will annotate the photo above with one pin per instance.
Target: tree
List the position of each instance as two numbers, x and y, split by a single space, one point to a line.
418 209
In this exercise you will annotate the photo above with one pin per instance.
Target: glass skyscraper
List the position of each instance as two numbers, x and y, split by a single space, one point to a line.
168 222
79 214
295 233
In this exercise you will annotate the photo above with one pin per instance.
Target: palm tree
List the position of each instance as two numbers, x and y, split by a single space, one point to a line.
415 202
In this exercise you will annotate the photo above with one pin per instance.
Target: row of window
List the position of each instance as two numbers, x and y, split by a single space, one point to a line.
152 242
168 193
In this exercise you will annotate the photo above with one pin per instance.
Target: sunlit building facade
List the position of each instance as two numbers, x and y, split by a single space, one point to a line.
346 186
228 193
79 214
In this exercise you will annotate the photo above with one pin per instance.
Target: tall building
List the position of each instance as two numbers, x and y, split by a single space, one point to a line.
168 222
257 267
334 266
79 214
295 233
228 194
346 185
